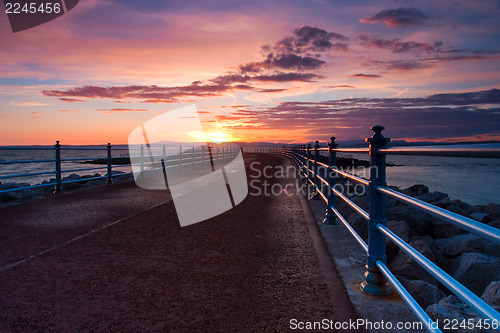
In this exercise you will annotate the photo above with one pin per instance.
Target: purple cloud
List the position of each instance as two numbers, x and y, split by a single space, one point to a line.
366 76
396 18
432 117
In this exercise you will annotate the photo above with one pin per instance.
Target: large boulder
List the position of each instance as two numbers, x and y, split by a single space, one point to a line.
494 224
401 229
478 216
362 202
443 203
405 266
476 271
432 197
442 229
459 207
359 224
415 190
455 246
492 208
491 295
423 292
417 221
18 194
451 308
73 185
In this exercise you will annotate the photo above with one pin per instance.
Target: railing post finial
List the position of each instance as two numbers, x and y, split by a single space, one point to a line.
378 138
330 217
375 281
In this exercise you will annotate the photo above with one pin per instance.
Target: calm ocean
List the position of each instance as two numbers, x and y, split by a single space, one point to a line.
473 180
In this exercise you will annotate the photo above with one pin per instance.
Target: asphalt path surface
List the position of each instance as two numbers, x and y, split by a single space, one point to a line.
115 259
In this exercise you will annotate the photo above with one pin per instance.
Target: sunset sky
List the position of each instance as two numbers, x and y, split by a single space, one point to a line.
275 71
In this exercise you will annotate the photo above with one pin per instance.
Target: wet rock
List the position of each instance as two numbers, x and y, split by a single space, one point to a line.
476 271
423 292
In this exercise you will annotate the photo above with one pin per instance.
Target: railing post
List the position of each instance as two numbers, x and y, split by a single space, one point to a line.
164 152
308 166
110 165
180 157
330 217
59 187
192 159
315 169
141 158
202 155
375 282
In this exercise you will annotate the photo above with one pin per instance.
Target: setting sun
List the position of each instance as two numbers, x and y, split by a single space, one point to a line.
218 137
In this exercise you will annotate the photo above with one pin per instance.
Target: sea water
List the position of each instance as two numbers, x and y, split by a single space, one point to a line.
473 180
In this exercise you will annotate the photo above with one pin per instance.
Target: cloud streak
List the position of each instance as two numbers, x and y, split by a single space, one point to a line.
117 110
437 116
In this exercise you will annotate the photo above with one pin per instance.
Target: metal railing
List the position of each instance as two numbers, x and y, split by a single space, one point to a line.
377 273
142 161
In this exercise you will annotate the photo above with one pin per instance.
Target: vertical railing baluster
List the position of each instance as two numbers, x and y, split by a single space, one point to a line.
141 160
202 155
110 165
180 157
316 181
308 167
164 153
59 187
331 176
375 282
192 160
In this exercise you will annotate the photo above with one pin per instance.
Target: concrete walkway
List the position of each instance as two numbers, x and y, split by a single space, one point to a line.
114 259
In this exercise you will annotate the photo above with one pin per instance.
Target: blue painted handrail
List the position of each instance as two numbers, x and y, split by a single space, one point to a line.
377 272
193 158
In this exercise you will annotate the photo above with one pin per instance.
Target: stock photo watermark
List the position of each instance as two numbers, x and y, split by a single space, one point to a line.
27 14
173 151
263 181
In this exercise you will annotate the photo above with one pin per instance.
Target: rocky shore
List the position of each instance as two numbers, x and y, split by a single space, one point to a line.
77 182
468 258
